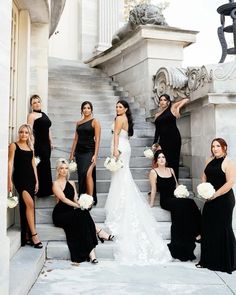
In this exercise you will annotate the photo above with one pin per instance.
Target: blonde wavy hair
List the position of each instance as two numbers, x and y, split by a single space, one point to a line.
59 163
30 141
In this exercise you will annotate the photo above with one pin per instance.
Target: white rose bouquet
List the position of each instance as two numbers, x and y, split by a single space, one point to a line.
181 191
12 201
148 153
113 164
72 166
205 190
37 161
85 201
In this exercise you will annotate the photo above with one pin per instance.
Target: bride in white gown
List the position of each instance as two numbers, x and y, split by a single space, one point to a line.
128 216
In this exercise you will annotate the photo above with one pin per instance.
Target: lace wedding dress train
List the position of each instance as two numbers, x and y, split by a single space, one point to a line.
129 217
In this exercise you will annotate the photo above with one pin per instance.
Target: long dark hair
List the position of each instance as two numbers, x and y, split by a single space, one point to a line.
167 97
84 103
156 155
128 115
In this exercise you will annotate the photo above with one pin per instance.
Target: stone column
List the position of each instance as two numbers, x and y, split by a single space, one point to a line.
5 49
110 17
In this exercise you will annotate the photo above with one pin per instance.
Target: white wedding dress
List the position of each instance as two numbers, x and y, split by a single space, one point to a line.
129 217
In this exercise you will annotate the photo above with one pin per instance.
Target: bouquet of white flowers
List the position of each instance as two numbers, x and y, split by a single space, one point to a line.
181 191
148 153
85 201
205 190
12 201
72 166
113 164
37 161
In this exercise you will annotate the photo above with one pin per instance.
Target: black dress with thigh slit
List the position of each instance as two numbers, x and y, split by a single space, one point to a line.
78 225
42 149
24 180
168 136
84 152
218 247
185 219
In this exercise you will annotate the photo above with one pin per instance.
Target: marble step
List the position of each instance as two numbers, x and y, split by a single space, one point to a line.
14 236
44 215
103 151
25 267
137 173
48 232
82 85
135 162
70 92
95 98
68 129
105 251
59 250
67 141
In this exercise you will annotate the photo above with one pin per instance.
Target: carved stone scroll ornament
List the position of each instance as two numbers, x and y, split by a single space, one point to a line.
179 82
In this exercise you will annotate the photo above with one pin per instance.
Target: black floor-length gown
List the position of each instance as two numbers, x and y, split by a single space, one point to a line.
78 225
42 149
84 152
218 247
24 180
185 218
168 136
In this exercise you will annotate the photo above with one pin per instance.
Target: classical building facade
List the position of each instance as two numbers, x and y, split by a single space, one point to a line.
147 63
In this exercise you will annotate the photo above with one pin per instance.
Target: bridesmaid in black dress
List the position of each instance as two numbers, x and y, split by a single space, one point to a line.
42 145
22 169
185 215
78 225
218 246
167 134
85 150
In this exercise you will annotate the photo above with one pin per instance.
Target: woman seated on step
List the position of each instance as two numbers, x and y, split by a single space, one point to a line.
80 229
185 215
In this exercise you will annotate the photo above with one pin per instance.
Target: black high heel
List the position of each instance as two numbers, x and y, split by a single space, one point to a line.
100 239
38 245
94 261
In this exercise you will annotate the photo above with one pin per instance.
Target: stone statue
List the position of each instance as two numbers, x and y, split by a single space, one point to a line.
142 14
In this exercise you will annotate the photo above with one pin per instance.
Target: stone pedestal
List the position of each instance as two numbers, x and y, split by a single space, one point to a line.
134 60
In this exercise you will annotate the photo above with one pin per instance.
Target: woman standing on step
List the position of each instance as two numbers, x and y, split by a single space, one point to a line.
23 172
42 145
185 215
78 225
127 212
167 134
218 246
85 150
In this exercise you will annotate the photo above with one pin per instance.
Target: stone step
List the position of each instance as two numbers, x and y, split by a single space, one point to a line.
69 92
82 85
137 173
25 267
68 130
135 162
142 142
59 250
44 215
48 232
14 236
103 151
102 99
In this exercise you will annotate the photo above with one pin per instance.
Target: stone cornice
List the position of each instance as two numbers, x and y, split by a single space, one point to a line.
155 32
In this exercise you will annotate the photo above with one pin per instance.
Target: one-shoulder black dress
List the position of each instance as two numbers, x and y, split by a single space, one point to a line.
185 218
218 247
168 136
42 149
84 152
24 180
78 225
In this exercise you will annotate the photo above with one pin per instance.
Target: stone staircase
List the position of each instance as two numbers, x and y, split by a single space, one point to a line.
70 83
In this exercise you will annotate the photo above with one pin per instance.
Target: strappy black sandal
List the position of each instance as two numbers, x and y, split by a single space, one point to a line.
38 245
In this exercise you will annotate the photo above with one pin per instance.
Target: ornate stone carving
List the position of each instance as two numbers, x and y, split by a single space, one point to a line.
179 82
142 14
